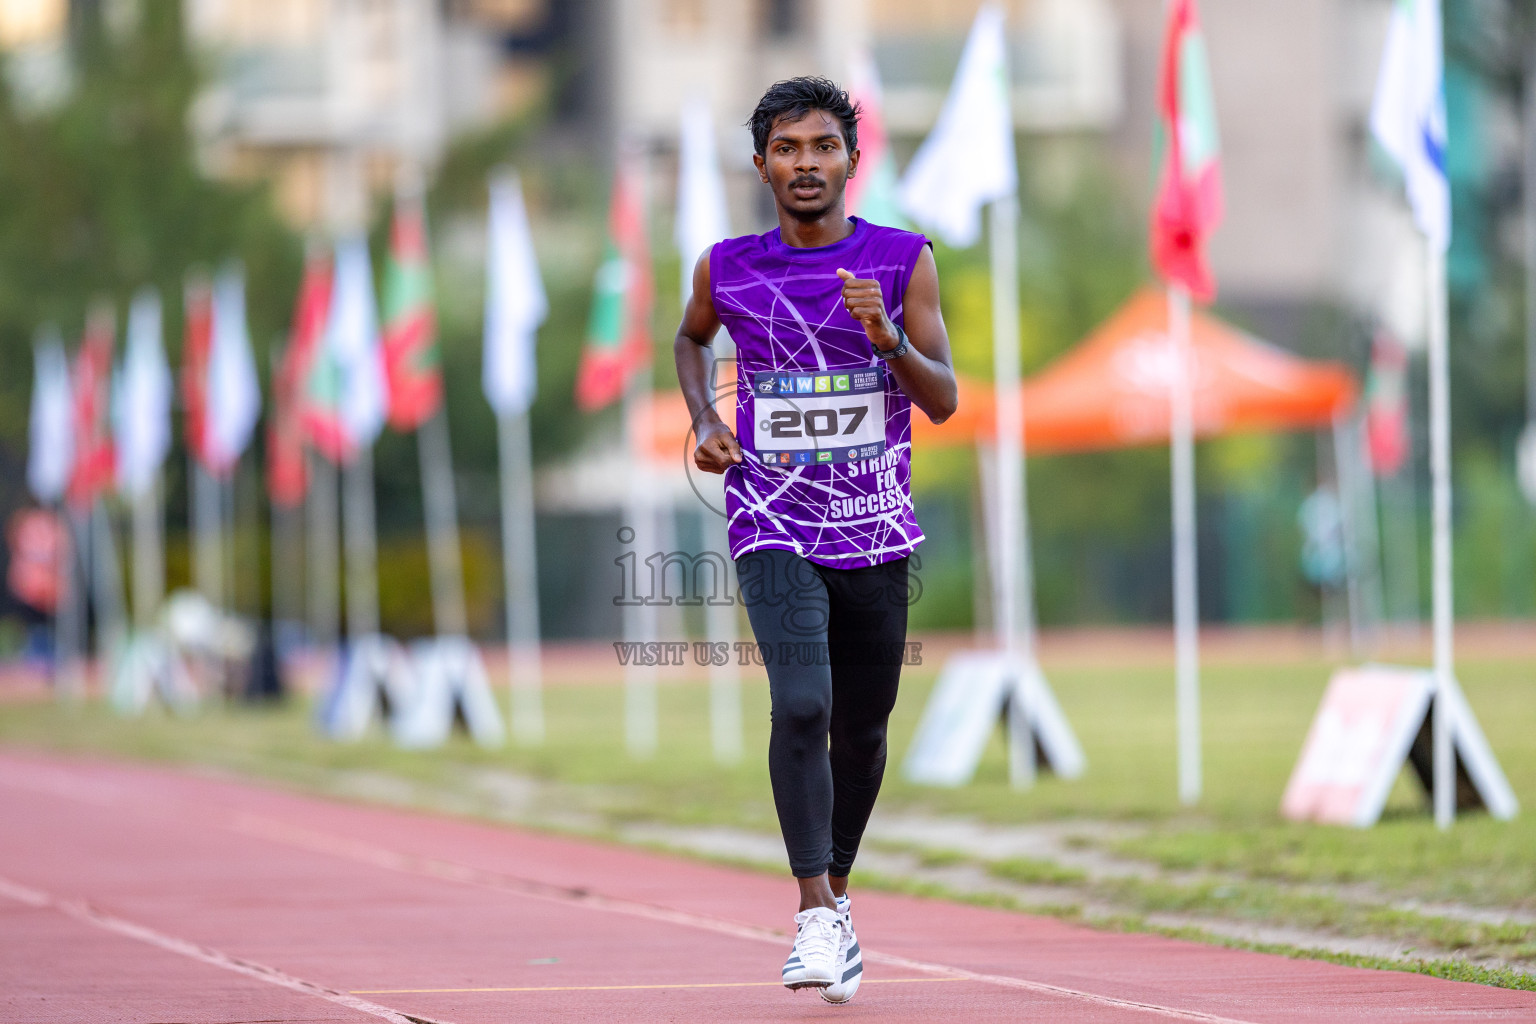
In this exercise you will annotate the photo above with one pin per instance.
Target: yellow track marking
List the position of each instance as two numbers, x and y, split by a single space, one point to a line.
619 988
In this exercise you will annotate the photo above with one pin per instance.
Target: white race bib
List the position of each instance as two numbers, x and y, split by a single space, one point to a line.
835 415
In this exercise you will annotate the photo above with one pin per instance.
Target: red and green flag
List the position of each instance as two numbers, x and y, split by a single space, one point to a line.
319 371
196 347
412 361
95 455
1188 205
290 426
619 327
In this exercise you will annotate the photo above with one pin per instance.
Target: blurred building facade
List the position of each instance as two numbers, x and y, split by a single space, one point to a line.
1308 220
332 98
329 99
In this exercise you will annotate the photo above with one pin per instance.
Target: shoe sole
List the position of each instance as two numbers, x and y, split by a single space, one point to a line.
797 985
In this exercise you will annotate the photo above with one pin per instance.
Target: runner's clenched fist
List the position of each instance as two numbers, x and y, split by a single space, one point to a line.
717 449
866 304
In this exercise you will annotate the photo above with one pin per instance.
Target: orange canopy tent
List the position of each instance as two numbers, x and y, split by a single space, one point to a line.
1111 391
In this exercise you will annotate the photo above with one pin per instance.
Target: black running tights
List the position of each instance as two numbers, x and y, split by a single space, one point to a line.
832 641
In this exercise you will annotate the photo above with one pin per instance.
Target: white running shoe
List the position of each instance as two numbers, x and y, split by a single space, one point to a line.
813 961
850 962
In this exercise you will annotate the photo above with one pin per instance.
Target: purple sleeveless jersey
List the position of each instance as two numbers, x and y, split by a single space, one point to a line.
818 477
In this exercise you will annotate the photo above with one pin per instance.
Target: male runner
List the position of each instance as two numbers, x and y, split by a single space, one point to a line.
838 332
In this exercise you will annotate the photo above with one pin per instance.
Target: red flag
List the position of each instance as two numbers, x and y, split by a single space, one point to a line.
1188 205
1386 405
412 362
619 327
196 346
95 455
287 475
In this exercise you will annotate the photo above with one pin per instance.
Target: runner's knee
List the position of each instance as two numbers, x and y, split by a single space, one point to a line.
803 713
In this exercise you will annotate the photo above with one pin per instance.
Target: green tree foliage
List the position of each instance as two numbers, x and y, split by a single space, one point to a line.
101 194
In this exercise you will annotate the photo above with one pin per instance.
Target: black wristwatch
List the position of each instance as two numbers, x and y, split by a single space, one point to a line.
897 352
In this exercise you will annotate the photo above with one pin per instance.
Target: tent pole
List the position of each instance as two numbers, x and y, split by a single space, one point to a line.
1440 504
1185 600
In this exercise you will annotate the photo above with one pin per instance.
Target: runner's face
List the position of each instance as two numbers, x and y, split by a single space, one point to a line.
807 164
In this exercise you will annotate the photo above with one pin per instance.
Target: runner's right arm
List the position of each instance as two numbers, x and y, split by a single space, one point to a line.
693 350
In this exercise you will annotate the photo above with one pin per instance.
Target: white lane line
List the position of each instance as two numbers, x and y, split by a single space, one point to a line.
287 834
261 972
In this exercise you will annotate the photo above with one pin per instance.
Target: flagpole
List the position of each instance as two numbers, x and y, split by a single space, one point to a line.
1349 515
148 554
641 512
702 220
322 555
1185 602
520 568
1443 724
1527 449
1369 517
1013 611
287 573
246 539
284 525
720 620
207 561
228 542
69 621
360 544
107 584
434 451
640 620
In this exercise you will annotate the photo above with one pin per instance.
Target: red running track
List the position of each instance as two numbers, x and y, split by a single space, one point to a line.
143 895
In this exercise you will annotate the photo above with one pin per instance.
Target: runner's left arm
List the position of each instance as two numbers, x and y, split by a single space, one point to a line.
925 374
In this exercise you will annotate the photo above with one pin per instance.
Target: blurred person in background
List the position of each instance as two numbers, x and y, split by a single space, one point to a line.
838 333
37 545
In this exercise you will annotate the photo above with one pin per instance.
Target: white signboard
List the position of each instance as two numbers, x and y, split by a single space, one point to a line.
1370 722
450 683
149 666
375 681
971 695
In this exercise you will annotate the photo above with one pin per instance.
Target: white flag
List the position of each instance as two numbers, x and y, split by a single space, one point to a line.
702 218
967 160
1408 113
52 427
352 336
234 390
143 406
514 302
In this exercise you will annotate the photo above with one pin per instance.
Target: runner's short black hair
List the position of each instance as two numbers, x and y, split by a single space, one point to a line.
794 98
